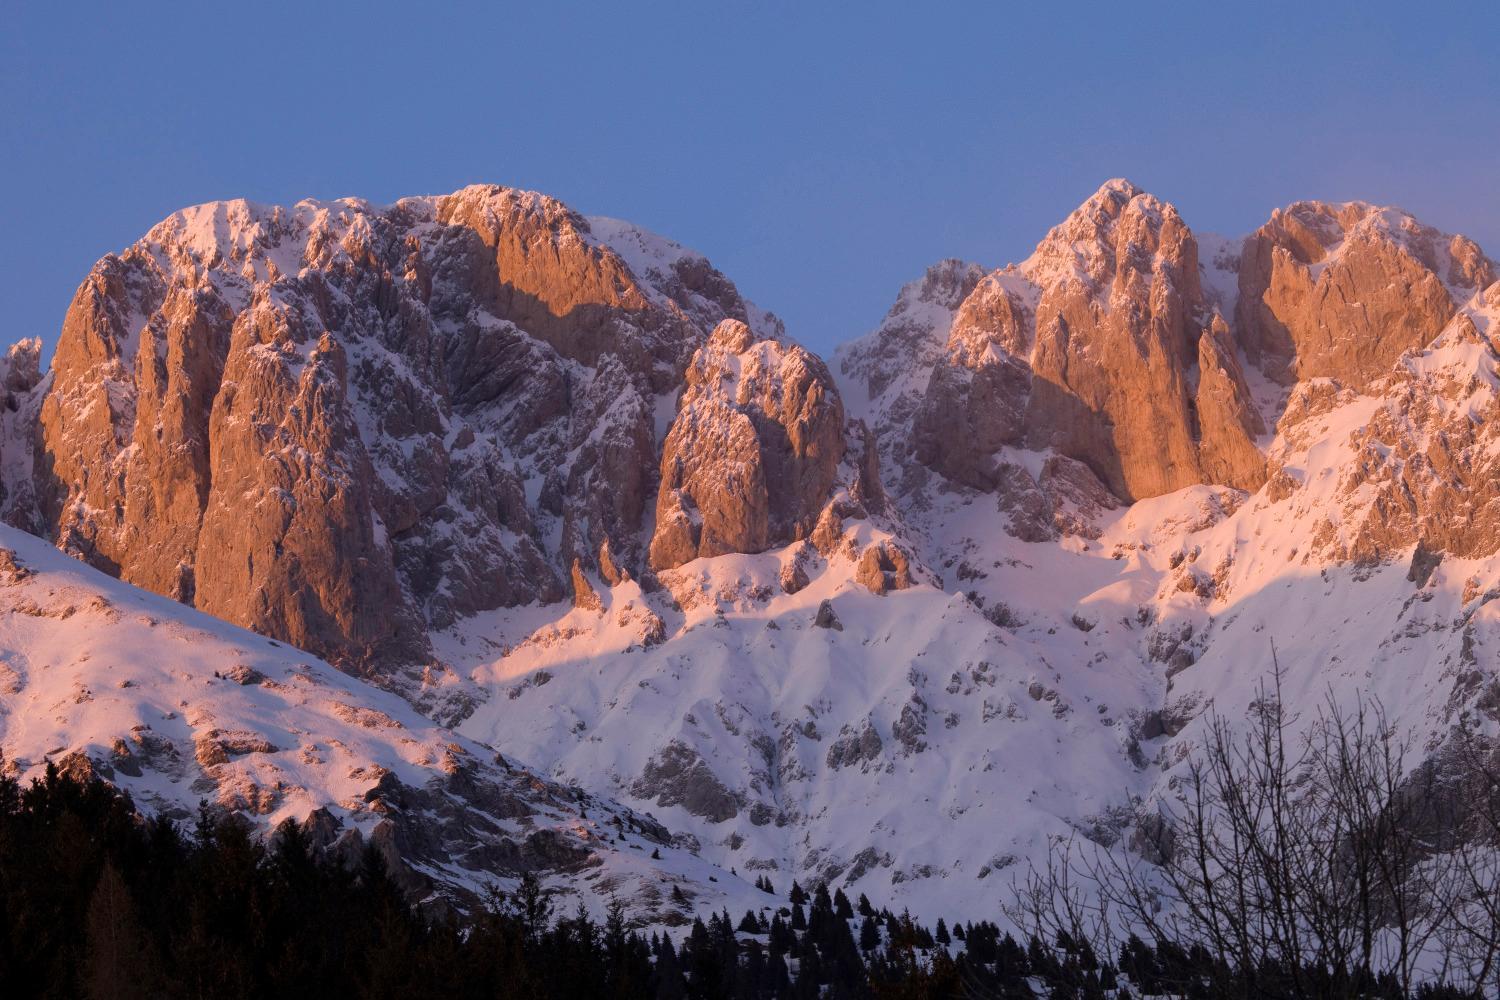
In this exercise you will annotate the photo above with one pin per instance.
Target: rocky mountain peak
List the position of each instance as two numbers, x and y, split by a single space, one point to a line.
1119 233
1092 348
1342 290
1051 512
343 424
752 453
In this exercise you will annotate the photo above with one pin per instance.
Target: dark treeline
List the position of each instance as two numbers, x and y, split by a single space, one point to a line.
96 901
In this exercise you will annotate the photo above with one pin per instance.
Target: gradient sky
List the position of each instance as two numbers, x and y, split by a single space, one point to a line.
820 154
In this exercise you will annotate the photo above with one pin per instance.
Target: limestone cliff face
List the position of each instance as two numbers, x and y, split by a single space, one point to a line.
342 424
1420 449
753 452
1227 416
1102 347
1115 346
1341 291
347 425
968 415
1117 325
21 388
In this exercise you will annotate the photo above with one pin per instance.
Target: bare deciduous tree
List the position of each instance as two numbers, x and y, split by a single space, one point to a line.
1315 859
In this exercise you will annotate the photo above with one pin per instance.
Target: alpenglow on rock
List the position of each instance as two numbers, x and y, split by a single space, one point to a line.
343 425
752 453
1115 345
898 633
1341 291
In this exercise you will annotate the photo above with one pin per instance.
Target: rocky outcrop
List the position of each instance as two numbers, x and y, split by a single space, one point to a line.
995 320
1424 464
1102 347
21 389
1341 291
343 425
967 415
584 595
752 453
678 776
1117 326
1230 424
883 567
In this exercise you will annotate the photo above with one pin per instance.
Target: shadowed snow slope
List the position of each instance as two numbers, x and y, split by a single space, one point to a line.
176 707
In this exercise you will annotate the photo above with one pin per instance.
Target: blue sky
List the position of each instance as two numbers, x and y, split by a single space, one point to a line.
820 154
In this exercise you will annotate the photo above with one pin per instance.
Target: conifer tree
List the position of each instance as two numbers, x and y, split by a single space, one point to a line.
116 961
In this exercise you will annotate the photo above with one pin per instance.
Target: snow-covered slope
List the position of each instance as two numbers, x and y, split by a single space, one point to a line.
1059 651
923 751
911 751
1075 505
176 707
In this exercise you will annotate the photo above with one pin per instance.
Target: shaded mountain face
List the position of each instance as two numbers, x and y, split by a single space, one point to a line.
178 709
896 623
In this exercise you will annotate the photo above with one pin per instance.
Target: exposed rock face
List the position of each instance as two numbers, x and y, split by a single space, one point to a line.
1116 327
1423 465
752 453
996 319
584 595
1108 346
1103 347
677 775
1227 415
21 388
321 422
1341 291
883 567
967 415
1065 499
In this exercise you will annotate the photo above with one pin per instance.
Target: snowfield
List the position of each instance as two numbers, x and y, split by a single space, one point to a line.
177 708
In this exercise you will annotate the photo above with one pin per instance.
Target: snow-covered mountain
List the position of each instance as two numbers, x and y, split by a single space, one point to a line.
894 623
178 708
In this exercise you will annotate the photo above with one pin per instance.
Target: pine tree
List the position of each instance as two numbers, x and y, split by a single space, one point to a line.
115 962
869 935
941 936
841 907
822 902
532 907
797 895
